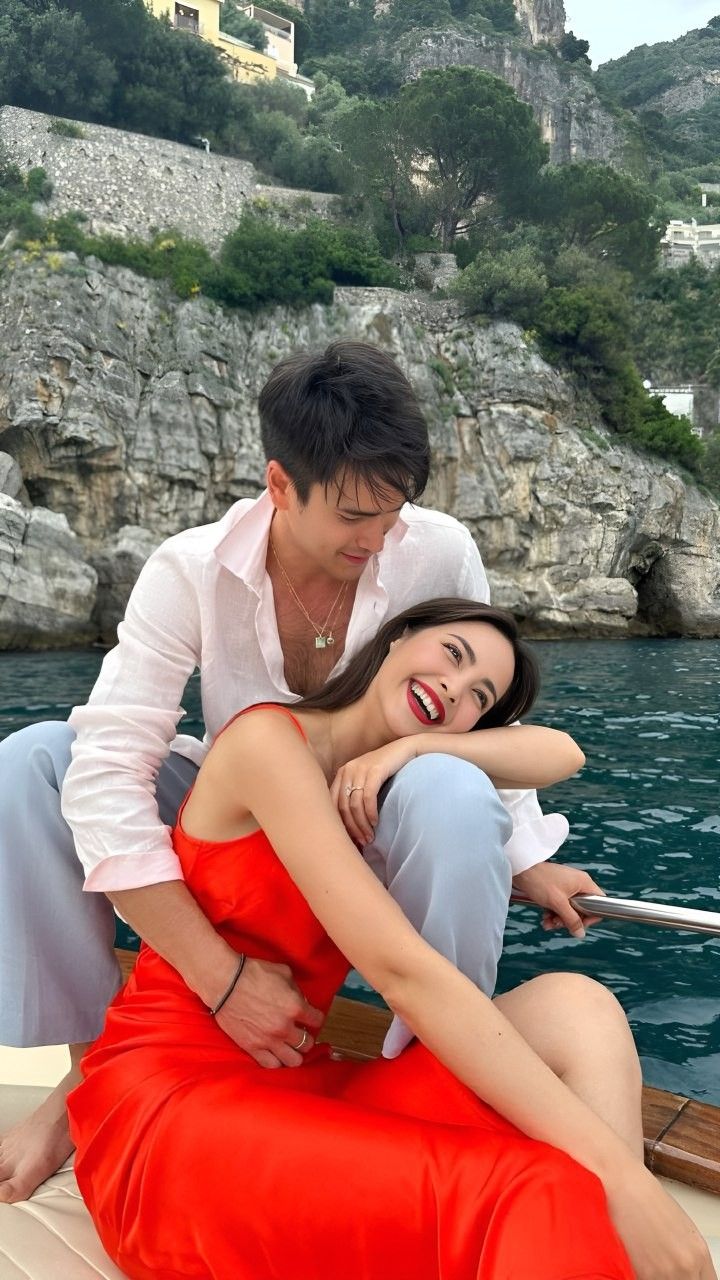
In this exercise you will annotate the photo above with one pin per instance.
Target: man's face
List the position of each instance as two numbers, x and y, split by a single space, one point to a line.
340 528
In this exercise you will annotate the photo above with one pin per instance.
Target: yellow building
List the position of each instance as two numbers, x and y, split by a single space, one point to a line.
279 37
204 18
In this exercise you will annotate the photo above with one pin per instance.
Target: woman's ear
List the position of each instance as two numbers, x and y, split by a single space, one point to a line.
399 639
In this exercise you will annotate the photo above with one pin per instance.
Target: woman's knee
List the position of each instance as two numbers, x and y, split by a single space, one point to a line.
587 1008
576 993
447 823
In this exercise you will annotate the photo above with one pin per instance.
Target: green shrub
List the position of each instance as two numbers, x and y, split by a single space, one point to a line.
444 373
65 129
18 194
511 283
587 329
296 267
423 244
260 264
711 463
38 185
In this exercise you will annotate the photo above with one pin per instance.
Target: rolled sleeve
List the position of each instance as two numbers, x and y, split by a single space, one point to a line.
536 836
133 871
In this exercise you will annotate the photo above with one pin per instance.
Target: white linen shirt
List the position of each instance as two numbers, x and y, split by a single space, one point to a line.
204 600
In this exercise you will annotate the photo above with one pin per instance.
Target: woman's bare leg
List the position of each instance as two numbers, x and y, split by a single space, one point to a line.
578 1028
36 1147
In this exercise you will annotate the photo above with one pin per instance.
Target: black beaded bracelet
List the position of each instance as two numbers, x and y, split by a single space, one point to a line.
231 988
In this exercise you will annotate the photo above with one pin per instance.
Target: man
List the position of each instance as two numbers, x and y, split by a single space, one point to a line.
267 603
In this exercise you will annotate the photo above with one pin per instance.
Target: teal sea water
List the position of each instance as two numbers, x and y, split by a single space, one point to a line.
645 821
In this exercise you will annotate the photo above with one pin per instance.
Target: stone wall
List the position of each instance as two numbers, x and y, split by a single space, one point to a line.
129 184
129 415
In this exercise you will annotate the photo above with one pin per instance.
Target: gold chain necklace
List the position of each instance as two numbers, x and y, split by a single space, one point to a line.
321 638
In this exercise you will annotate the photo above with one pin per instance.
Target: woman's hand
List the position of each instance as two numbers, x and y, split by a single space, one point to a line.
355 786
661 1241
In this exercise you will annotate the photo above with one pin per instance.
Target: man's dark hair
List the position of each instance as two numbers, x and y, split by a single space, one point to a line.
346 412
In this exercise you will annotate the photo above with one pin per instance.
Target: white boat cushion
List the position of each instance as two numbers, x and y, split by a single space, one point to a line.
52 1237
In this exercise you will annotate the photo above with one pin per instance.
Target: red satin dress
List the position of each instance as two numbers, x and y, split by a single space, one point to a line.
196 1162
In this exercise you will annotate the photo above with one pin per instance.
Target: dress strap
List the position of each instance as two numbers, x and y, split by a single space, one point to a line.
266 706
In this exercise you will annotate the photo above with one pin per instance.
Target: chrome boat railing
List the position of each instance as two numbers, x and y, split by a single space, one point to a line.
662 914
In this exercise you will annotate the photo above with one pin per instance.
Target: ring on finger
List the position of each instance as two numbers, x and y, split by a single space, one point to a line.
349 790
303 1042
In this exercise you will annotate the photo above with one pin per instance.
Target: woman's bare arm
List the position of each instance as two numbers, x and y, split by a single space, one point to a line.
513 757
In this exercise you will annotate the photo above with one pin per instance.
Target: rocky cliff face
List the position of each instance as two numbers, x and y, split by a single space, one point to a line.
125 416
542 19
572 119
692 91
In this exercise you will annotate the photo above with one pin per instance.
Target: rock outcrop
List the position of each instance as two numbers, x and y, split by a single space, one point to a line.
135 415
47 589
573 120
543 20
690 93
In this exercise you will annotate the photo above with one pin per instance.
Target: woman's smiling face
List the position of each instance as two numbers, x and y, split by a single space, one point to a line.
444 678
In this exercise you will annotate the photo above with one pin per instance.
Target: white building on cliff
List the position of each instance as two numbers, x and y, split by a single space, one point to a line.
685 240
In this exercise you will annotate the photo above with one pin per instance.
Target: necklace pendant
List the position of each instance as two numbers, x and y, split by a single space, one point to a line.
321 641
330 639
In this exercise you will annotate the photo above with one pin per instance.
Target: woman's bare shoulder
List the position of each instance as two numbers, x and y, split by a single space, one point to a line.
258 726
221 803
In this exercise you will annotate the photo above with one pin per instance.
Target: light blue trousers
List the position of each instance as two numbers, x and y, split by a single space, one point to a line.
437 849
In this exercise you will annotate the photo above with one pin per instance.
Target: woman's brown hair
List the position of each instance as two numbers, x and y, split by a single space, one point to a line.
354 681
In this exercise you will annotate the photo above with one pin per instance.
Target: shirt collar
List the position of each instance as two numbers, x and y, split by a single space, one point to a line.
242 547
243 542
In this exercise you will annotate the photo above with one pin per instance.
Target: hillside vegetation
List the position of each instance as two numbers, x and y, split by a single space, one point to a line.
674 87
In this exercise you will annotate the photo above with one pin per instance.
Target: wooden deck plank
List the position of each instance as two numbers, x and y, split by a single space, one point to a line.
682 1137
689 1151
354 1029
660 1111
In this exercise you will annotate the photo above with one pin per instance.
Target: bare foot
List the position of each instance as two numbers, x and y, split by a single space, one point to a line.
37 1146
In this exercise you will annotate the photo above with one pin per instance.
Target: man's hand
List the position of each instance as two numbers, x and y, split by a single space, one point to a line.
267 1014
551 885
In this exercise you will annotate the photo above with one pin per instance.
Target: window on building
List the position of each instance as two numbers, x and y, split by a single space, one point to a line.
187 19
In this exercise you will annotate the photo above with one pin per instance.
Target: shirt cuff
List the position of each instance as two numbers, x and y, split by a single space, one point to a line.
133 871
536 841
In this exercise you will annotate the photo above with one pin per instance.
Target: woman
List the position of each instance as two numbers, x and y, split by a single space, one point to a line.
194 1161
